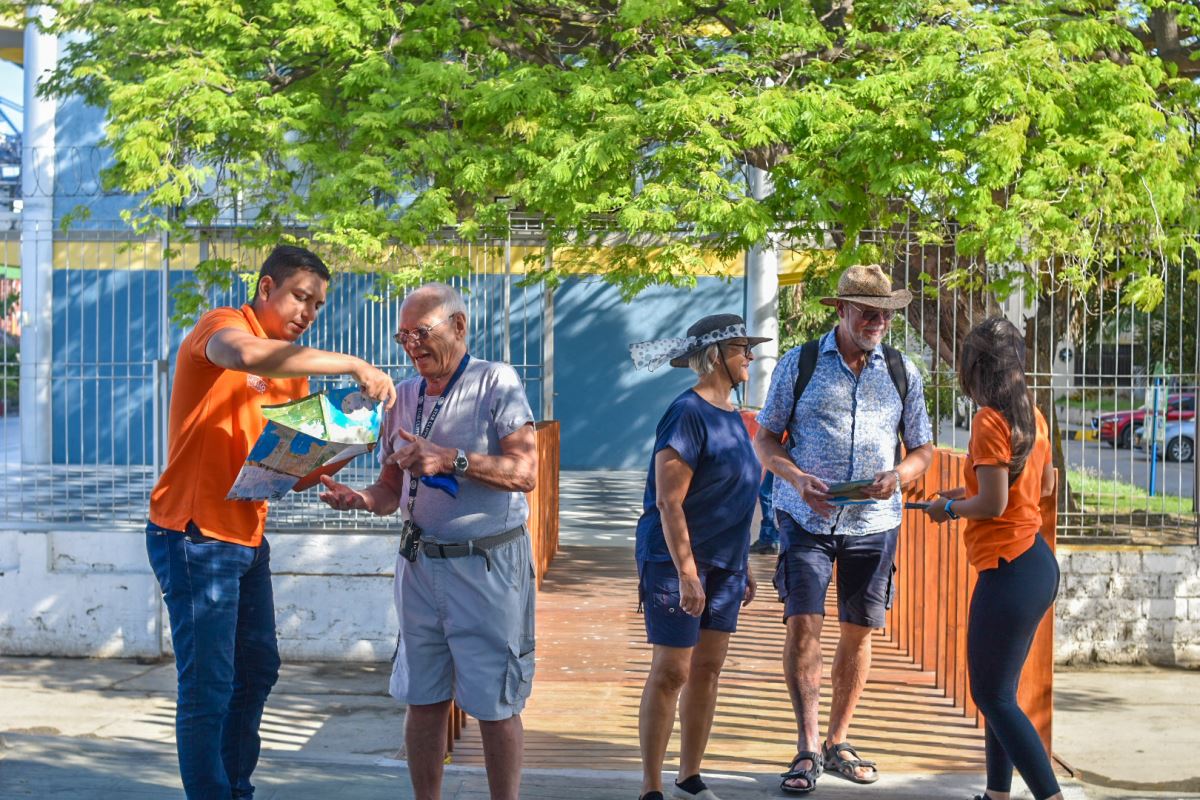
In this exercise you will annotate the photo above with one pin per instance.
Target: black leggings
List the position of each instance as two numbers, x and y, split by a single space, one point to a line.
1008 603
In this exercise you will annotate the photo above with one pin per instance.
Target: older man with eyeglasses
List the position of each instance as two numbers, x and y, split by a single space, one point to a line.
843 401
458 454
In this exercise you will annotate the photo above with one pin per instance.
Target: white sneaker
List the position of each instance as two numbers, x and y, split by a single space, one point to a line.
683 794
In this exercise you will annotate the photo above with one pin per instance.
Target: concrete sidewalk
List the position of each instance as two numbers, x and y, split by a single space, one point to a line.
99 729
47 766
1129 732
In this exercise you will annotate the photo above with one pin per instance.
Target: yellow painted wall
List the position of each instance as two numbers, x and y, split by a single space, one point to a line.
139 254
10 252
13 34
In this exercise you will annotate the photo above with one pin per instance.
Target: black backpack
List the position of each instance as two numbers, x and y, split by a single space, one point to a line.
808 364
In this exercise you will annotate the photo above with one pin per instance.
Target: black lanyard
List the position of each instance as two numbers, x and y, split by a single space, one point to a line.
413 480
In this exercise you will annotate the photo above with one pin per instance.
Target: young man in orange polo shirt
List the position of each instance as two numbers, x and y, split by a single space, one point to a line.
208 553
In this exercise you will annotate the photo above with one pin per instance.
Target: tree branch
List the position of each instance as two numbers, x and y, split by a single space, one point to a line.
835 17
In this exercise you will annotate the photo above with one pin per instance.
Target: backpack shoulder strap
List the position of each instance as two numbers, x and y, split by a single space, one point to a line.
895 365
804 373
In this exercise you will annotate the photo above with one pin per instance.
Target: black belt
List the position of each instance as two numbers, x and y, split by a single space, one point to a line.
475 547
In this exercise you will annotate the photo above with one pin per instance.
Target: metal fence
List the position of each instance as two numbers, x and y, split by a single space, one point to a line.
102 381
88 448
1095 363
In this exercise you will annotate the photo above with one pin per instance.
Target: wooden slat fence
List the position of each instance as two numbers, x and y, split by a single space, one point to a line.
543 501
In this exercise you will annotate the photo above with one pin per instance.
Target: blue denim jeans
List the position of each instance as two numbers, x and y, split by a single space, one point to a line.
768 533
222 611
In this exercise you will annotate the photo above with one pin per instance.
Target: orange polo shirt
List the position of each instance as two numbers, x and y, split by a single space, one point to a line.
1013 532
216 416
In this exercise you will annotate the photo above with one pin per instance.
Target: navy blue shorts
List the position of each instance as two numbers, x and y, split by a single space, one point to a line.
667 623
865 566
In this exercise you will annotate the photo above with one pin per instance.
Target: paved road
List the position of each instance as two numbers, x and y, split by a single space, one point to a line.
1103 461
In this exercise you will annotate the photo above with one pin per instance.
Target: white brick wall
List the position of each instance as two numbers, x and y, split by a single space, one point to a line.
91 593
1128 605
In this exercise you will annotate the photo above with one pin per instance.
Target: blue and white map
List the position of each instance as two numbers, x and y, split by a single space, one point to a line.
316 435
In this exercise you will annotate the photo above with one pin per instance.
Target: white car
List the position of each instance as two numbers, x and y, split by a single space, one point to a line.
1180 437
1176 440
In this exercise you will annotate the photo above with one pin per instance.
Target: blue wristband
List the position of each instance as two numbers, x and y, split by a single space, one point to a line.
949 511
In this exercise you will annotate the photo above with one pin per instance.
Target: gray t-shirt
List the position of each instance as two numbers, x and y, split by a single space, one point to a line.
486 404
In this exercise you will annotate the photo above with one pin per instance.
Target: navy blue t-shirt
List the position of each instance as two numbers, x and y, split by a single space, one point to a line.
720 501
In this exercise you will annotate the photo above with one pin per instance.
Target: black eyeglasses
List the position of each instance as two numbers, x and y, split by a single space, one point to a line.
418 334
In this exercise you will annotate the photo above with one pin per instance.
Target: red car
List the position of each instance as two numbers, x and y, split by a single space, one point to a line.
1117 427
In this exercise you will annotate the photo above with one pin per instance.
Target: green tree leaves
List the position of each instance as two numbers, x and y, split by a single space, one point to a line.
1035 128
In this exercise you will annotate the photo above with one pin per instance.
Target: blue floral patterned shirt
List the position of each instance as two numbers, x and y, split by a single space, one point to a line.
844 428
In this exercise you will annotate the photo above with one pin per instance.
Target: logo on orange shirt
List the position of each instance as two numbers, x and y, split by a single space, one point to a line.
256 383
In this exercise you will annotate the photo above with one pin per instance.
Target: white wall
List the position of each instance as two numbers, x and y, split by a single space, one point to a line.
1129 605
84 593
79 593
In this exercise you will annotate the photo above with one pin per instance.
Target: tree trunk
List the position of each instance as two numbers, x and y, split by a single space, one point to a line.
944 318
1042 332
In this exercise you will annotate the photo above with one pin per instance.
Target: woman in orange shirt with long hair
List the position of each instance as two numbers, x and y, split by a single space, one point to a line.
1008 471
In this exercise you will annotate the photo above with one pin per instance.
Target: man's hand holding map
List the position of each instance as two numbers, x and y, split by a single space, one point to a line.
305 439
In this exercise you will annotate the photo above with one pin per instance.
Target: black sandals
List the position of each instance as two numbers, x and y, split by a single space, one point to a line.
808 775
847 766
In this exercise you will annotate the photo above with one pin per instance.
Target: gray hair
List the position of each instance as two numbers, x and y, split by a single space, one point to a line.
704 361
440 295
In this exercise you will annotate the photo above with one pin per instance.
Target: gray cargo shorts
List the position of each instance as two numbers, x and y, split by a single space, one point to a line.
468 631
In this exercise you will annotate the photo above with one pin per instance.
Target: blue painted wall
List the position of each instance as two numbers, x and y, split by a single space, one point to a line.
106 335
608 410
78 160
105 339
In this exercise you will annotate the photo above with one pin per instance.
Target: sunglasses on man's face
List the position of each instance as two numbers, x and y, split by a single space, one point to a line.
869 314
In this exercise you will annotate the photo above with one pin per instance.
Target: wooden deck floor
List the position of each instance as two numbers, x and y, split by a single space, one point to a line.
593 659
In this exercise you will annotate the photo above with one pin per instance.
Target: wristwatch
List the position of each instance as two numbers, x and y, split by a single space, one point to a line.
461 463
950 511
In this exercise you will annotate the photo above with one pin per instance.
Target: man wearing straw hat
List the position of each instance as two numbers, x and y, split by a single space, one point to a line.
843 400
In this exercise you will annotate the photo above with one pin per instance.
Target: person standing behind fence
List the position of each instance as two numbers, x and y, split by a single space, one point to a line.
768 532
693 540
208 553
842 400
458 453
1008 471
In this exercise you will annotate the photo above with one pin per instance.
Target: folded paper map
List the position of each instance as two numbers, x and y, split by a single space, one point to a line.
849 490
307 438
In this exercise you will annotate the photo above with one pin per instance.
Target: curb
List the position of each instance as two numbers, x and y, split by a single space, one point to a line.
1085 435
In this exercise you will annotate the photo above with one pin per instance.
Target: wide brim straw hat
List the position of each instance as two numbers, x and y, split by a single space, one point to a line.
704 332
869 286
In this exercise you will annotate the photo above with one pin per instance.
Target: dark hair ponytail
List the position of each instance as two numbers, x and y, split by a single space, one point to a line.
991 371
